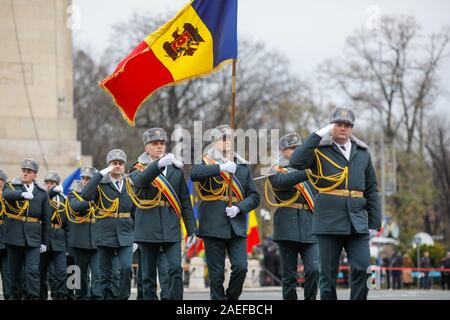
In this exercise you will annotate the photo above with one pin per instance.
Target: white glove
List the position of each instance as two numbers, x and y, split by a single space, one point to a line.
322 132
165 161
232 211
105 171
190 241
58 189
229 167
43 248
135 247
27 195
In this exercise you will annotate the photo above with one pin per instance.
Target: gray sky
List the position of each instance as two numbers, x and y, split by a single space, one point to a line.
307 32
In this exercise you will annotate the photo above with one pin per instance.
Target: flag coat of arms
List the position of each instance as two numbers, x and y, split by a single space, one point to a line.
200 39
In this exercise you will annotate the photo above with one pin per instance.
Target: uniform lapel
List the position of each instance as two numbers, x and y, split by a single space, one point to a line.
354 151
170 171
339 153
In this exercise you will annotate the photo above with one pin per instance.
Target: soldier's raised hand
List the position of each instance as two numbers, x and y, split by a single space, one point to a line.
229 167
322 132
165 161
105 171
58 189
27 195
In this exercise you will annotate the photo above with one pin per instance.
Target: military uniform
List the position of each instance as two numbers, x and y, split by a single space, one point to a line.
222 234
26 228
4 270
158 223
163 276
347 205
57 246
293 223
81 215
113 228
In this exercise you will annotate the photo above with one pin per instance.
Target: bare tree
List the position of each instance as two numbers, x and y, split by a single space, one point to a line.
393 72
438 147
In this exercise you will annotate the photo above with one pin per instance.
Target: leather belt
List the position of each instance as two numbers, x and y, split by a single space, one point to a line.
116 215
298 206
23 219
345 193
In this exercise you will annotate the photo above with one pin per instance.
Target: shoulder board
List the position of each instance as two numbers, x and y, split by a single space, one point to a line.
16 182
359 143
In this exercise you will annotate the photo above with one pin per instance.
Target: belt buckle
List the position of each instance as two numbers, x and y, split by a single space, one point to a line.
347 193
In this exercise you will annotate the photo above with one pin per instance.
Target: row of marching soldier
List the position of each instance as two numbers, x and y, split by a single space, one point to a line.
324 192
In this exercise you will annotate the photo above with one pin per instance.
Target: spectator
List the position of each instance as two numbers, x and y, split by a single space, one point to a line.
386 263
446 274
407 271
425 262
396 262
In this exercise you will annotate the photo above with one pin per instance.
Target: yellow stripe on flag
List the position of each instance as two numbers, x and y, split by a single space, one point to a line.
188 65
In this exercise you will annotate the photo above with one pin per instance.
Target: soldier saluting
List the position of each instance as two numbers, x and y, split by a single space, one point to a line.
293 221
223 228
26 229
114 223
347 206
162 199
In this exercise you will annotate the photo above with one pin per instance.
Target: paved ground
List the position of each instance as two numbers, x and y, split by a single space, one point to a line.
274 293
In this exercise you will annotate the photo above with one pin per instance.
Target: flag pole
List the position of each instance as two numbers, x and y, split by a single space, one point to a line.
232 125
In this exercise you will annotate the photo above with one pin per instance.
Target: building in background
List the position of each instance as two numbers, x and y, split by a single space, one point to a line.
36 87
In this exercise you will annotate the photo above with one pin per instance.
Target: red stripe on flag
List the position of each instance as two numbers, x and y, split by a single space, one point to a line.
137 77
253 239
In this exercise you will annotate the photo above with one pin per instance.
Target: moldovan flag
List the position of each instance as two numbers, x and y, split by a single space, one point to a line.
252 231
200 39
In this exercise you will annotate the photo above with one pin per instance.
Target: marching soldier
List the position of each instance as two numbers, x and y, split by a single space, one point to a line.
4 271
223 228
293 222
26 229
56 249
81 214
162 199
347 206
114 223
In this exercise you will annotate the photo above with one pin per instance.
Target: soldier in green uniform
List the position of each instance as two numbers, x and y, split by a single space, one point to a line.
26 229
114 223
4 271
223 228
56 249
162 199
293 221
347 206
81 214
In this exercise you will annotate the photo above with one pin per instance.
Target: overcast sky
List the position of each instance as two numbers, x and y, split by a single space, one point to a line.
307 32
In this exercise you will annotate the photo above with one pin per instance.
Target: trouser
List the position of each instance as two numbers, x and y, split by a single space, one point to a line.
215 251
24 271
396 279
4 271
58 275
425 280
169 268
358 253
87 260
106 257
309 252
